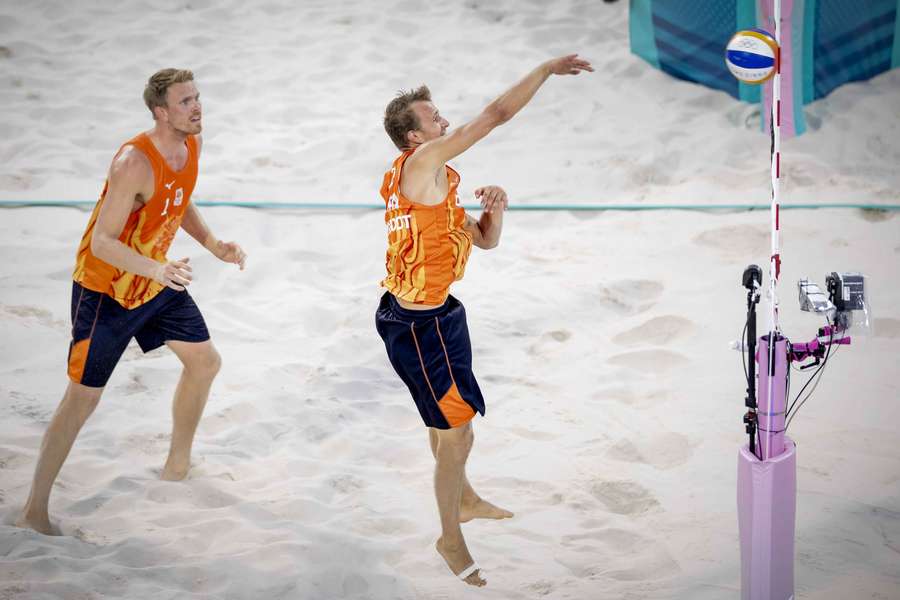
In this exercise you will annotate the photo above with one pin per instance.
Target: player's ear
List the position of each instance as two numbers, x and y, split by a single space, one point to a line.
414 138
160 113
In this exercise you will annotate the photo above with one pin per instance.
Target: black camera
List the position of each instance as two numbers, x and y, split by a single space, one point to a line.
847 290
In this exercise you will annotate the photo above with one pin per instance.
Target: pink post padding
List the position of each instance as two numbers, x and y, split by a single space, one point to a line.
771 410
786 62
767 505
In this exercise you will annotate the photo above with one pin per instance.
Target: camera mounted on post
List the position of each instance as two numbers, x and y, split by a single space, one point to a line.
846 295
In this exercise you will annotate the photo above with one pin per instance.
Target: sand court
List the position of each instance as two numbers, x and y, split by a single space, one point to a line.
619 468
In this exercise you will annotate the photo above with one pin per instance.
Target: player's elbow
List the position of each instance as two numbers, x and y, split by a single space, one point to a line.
497 114
489 243
99 244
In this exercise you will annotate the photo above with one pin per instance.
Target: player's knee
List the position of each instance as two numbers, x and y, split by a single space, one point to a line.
455 447
205 364
212 362
82 399
453 452
466 437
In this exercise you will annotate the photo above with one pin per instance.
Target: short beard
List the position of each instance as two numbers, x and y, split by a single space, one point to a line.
187 133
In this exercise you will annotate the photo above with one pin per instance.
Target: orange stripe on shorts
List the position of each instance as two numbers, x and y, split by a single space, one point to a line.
77 359
79 352
456 410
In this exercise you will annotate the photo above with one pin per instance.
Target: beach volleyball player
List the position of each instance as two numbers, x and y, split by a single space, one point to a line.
124 286
424 328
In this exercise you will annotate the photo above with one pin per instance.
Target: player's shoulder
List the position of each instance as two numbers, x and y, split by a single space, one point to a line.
424 160
130 163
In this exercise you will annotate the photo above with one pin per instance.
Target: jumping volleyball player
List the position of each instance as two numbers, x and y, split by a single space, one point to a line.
124 286
424 329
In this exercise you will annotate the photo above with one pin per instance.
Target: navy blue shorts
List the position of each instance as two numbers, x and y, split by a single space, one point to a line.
432 354
102 328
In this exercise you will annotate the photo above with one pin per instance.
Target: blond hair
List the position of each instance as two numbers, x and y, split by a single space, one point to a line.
159 83
399 118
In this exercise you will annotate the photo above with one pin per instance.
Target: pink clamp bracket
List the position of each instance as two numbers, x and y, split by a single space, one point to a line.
817 346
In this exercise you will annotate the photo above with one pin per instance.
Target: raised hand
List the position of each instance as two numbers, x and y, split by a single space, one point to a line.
492 198
569 65
175 274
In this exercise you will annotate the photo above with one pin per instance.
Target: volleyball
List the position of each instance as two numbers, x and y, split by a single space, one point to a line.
751 55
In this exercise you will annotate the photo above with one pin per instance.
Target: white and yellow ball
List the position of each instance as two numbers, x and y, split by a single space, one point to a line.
752 56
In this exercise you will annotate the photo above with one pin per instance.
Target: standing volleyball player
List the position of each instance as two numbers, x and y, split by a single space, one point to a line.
424 328
124 286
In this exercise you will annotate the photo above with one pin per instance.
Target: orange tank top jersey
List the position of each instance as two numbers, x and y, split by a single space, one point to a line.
428 246
149 230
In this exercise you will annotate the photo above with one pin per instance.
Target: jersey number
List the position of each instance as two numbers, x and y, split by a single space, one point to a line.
179 197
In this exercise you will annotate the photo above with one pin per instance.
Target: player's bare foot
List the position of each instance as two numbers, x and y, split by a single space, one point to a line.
482 509
458 559
39 524
175 470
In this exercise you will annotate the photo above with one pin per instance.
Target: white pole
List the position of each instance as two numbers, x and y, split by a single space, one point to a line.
775 258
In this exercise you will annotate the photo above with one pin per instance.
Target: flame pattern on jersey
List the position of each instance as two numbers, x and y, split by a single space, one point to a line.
149 231
428 246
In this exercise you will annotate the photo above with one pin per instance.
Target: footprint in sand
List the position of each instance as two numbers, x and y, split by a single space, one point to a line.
60 275
506 380
560 335
624 497
89 505
619 539
10 459
236 414
20 182
657 360
386 526
557 336
874 215
28 406
152 444
642 175
663 451
529 434
347 484
529 535
207 496
658 331
734 241
629 296
653 563
541 587
488 15
630 397
43 317
627 556
134 385
523 489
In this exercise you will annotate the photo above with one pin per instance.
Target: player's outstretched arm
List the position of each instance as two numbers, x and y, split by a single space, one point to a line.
437 152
